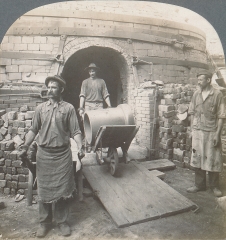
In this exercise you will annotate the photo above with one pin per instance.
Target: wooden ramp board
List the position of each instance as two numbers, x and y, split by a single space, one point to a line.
160 164
134 195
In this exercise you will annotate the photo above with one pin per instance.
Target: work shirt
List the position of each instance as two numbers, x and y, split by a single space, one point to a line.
207 112
94 90
55 124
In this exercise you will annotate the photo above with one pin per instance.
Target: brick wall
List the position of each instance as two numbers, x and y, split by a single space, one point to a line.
16 118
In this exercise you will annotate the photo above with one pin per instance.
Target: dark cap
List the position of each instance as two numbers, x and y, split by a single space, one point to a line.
92 65
205 72
56 78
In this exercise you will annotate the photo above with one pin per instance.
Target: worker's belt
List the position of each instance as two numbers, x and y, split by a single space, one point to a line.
93 105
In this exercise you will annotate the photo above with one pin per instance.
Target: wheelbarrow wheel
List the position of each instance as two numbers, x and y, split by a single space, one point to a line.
113 156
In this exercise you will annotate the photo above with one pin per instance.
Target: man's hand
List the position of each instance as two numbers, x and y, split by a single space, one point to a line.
81 153
81 111
23 150
216 140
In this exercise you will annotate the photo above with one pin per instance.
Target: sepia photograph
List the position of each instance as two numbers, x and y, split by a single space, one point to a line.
112 120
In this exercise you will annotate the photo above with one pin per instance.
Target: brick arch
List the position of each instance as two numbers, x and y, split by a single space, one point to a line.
79 43
74 47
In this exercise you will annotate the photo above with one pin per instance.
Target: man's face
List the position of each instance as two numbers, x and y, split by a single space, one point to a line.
203 81
92 73
54 89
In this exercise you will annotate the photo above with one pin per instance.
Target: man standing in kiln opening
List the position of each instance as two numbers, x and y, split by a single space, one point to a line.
54 123
207 114
93 92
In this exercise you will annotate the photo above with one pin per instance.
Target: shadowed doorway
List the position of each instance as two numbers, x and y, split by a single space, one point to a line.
73 72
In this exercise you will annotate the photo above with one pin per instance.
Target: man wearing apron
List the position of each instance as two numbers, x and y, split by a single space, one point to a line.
207 114
54 123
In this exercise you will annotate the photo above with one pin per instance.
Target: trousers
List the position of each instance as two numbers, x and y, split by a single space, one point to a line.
200 179
59 210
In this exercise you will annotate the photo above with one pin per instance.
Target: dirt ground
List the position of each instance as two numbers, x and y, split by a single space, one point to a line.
89 219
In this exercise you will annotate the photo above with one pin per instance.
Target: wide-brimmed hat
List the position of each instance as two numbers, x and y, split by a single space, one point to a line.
92 65
56 78
205 72
182 111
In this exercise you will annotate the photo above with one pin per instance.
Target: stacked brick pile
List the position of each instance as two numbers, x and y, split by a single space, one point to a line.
175 137
16 112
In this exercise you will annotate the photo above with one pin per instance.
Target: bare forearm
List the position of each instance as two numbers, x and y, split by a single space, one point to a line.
82 102
219 126
107 100
29 138
78 140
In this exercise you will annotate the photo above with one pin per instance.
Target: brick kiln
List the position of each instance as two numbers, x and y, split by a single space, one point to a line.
133 49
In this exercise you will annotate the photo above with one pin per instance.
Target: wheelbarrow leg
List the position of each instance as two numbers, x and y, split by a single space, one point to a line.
126 145
30 188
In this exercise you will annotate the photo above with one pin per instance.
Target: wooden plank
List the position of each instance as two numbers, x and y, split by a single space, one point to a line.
157 173
152 193
134 195
188 204
160 164
125 199
107 196
134 209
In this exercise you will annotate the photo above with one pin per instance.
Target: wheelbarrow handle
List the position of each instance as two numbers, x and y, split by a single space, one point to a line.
26 162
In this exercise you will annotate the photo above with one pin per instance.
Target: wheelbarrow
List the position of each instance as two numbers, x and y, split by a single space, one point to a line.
112 137
110 128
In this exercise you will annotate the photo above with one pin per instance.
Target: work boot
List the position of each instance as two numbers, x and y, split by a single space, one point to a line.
217 192
42 231
195 189
64 229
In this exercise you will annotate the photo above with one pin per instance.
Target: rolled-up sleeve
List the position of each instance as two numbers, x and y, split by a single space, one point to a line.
105 92
221 107
83 90
73 123
36 121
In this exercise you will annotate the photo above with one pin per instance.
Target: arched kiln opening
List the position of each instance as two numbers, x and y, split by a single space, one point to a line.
107 59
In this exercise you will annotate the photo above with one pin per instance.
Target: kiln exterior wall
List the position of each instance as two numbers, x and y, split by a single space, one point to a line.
30 48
